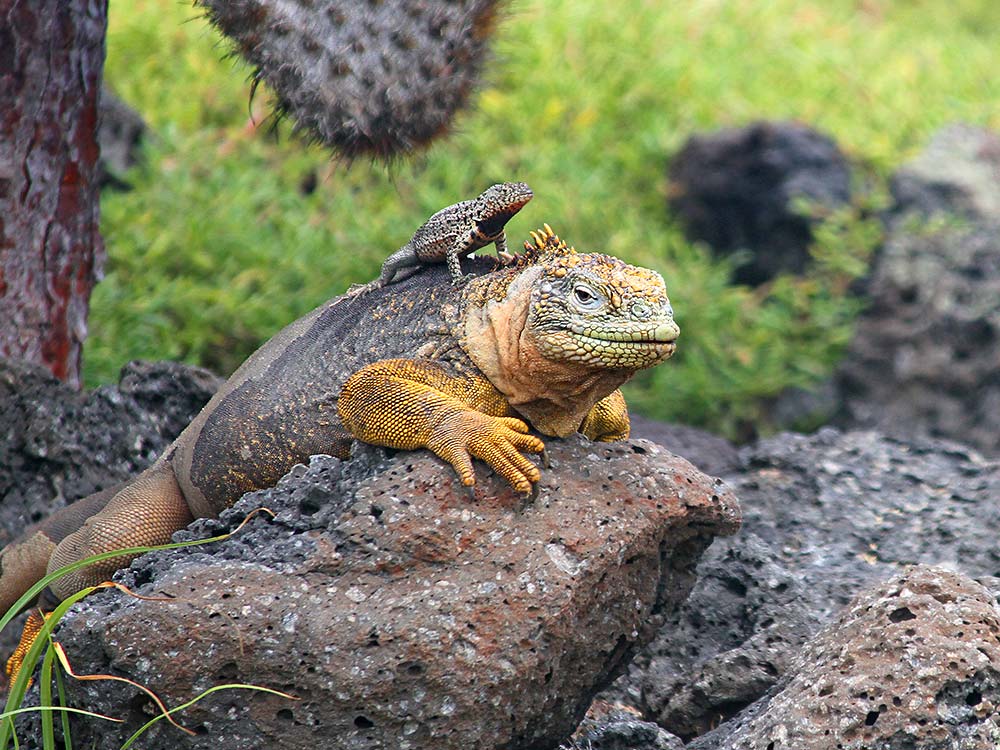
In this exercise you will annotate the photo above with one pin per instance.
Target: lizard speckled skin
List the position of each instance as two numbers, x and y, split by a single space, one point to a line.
458 230
545 340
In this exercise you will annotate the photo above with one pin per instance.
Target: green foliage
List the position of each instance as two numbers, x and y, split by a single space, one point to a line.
219 246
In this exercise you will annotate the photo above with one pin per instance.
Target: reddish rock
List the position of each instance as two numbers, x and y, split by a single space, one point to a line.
403 614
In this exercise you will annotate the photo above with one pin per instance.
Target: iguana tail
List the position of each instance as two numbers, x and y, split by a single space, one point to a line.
142 512
25 560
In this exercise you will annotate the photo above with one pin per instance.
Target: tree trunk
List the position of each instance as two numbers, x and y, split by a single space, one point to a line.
51 253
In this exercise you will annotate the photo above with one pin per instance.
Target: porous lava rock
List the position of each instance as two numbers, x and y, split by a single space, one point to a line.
740 189
925 356
958 174
401 612
824 516
58 444
609 726
913 663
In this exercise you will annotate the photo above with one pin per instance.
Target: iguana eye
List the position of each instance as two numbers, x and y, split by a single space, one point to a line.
586 298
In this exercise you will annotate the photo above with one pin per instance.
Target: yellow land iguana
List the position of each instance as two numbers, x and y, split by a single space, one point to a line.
462 370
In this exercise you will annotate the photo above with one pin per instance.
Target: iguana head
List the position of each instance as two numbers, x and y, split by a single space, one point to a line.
597 310
556 331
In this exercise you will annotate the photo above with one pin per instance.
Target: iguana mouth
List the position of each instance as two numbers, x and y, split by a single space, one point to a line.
661 335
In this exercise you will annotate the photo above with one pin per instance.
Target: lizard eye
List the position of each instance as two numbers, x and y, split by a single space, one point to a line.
586 298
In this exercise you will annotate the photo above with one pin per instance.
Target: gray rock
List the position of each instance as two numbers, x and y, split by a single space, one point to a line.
119 134
744 623
401 613
913 663
58 445
613 727
925 357
711 453
824 516
737 189
958 174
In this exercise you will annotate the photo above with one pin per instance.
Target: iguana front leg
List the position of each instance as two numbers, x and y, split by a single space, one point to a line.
608 421
410 404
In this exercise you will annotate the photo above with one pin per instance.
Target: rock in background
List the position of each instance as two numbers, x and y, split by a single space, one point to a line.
911 663
120 132
958 174
401 613
925 358
58 444
824 516
737 190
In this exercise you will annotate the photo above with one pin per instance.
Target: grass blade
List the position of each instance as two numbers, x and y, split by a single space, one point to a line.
235 686
64 715
45 701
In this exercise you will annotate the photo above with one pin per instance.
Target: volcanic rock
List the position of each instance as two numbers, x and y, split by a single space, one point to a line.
958 174
58 445
925 357
401 613
824 516
911 663
740 189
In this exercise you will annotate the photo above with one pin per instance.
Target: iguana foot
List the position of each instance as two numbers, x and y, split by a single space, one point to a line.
608 421
32 627
496 440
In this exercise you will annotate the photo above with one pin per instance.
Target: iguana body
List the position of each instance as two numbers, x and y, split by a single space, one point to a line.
458 230
547 339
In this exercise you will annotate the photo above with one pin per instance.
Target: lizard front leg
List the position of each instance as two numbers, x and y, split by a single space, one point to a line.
608 420
410 404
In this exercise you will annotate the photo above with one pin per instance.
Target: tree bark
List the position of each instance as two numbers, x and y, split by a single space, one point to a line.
51 253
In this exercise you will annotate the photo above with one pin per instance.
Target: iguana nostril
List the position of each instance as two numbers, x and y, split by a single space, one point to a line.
642 311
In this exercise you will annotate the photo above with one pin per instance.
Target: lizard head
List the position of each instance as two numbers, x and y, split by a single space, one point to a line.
597 310
499 203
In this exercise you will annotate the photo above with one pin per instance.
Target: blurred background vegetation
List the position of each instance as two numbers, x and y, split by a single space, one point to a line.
233 230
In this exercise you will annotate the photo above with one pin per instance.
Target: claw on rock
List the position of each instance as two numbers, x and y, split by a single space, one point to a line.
545 458
470 491
533 494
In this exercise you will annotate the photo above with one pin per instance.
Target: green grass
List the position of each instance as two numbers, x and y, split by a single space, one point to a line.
218 247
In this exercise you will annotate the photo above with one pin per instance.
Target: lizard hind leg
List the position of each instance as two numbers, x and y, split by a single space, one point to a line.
404 259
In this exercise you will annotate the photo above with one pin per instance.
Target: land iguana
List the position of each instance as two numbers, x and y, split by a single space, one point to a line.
458 230
545 340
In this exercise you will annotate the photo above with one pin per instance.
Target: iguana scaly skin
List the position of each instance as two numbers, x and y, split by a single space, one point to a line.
462 370
458 230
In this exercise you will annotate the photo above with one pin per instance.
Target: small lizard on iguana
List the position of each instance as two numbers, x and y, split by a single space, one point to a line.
462 370
458 230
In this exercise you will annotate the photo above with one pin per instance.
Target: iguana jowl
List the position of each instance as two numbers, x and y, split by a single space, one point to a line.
545 340
458 230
